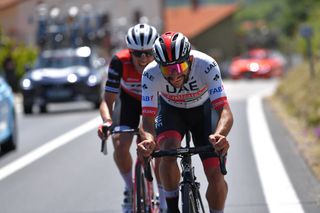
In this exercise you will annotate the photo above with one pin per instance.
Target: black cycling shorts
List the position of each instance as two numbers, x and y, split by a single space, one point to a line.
127 111
200 121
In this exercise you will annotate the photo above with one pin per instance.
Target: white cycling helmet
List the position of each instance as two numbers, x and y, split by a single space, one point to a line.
141 37
171 48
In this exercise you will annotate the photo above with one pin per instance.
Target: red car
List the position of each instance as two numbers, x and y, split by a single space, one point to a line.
258 63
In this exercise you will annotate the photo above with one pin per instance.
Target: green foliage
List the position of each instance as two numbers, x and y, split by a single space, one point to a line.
298 92
22 54
282 18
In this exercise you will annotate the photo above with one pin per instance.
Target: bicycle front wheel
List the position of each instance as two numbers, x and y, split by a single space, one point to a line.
188 199
144 194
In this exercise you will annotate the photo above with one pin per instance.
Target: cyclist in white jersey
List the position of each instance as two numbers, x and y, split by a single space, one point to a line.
183 90
121 105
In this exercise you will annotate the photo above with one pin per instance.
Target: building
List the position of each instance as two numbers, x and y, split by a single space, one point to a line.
210 28
19 18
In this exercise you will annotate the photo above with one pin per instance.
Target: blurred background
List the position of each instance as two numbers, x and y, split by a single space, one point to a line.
54 51
250 39
221 28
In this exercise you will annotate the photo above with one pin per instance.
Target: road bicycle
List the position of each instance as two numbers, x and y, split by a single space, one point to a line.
145 197
189 187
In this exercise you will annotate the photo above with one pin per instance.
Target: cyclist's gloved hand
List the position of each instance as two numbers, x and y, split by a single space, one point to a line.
101 133
145 148
220 143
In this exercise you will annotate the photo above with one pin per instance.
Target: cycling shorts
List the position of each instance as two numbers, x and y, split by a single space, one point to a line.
201 121
127 111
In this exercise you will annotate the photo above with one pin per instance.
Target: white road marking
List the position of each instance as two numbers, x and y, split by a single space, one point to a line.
278 190
48 147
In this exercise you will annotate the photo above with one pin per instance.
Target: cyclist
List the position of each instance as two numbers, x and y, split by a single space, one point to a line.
188 87
124 81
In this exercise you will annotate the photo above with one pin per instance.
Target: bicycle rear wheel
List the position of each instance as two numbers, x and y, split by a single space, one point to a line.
188 199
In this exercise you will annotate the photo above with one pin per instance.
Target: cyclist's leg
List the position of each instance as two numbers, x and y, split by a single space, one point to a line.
170 173
123 158
203 126
127 114
170 129
162 198
217 188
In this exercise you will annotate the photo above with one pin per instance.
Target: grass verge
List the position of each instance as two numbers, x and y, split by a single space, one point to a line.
297 102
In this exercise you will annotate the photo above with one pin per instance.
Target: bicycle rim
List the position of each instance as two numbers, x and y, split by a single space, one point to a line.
152 201
140 195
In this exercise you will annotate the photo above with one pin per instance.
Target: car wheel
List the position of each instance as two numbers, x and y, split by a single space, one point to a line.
43 108
27 109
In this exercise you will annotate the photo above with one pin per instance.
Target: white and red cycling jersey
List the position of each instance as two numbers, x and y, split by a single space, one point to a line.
122 74
204 82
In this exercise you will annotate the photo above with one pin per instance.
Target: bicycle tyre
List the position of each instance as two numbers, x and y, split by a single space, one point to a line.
140 190
188 199
198 201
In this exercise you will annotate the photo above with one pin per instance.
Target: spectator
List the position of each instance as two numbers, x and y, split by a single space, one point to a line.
9 68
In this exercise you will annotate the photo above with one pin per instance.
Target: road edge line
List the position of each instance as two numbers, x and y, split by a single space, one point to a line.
48 147
276 185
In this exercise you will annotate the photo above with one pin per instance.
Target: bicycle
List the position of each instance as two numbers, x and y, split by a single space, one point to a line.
145 198
189 187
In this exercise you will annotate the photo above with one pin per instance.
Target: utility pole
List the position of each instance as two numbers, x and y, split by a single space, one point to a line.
306 32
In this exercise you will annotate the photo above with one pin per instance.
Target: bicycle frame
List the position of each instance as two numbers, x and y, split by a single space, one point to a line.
144 196
189 188
191 199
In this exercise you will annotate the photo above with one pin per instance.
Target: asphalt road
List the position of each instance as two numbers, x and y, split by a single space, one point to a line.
58 167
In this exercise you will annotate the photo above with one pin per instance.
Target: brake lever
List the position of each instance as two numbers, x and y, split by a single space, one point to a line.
105 128
222 162
147 169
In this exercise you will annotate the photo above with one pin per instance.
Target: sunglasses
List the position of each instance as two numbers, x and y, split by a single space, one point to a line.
139 54
168 71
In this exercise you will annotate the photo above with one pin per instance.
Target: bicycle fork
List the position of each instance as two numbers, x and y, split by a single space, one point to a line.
190 179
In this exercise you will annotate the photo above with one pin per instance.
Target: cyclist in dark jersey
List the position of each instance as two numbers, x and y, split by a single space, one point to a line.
187 86
123 88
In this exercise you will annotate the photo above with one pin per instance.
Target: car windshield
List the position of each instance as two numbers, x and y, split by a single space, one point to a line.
62 62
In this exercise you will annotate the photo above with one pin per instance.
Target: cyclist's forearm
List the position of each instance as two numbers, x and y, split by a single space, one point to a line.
106 107
225 122
104 112
147 128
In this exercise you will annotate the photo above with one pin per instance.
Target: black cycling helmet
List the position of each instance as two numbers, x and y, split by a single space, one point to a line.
171 48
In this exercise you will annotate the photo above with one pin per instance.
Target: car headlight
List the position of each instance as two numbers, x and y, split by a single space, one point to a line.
26 83
72 78
92 80
254 67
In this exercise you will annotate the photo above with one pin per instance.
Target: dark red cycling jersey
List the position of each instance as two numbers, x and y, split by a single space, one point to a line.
121 73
